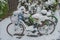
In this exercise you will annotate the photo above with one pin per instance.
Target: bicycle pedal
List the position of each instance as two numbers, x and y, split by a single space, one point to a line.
34 31
16 24
40 34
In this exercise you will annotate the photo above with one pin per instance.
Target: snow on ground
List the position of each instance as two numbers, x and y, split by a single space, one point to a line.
5 36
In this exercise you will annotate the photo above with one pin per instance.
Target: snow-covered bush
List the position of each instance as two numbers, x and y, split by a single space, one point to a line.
3 7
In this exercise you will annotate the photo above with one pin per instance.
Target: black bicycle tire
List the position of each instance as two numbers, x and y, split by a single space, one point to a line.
10 33
50 32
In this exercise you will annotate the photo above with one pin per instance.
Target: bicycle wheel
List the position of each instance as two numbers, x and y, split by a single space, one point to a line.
12 29
47 28
54 19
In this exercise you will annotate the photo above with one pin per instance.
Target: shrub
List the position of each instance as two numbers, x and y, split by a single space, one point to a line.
3 8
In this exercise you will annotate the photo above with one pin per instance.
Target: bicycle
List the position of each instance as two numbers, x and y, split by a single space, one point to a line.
46 28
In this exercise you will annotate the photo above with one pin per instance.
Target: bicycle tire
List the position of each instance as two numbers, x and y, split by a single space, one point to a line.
10 33
51 31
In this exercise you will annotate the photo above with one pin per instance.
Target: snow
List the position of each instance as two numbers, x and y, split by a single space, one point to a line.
5 36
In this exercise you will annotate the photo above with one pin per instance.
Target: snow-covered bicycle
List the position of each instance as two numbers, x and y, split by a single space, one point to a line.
47 27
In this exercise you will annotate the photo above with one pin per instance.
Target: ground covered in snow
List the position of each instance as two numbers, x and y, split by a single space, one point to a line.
5 36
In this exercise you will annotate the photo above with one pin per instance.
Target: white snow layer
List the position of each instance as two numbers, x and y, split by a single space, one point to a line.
5 36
